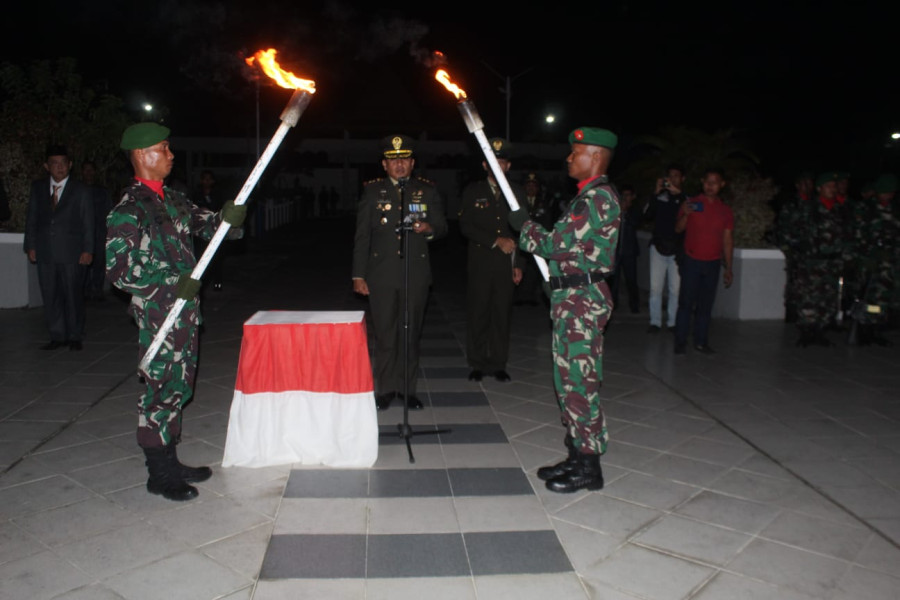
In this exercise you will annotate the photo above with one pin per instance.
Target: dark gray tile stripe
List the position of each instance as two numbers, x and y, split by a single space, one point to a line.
407 483
302 556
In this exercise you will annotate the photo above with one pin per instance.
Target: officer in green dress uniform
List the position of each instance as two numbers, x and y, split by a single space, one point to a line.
389 207
494 269
150 255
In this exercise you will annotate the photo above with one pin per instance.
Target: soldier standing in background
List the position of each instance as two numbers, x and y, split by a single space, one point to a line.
786 228
820 242
580 252
540 210
378 264
876 250
494 269
149 254
96 273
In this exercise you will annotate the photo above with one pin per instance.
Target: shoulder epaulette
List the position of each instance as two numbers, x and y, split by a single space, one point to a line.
376 180
423 180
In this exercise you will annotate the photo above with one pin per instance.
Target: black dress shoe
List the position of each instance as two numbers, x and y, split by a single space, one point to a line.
414 403
53 345
475 375
654 329
501 375
75 345
383 401
704 349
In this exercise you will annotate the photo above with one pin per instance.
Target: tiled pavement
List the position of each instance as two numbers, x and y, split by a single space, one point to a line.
763 472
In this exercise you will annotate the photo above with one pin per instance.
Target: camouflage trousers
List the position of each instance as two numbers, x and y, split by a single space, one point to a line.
818 291
169 380
879 294
577 377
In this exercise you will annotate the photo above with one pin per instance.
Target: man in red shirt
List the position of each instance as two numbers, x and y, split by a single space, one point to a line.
707 223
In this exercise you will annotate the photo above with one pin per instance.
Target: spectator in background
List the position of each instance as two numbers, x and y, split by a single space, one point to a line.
59 237
627 251
665 246
707 223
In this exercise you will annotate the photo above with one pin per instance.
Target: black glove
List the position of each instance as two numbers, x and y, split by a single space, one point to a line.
187 287
233 214
517 218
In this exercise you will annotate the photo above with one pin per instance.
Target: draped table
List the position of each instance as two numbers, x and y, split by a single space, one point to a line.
304 392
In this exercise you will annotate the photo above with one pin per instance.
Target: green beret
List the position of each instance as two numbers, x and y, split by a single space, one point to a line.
885 184
500 147
397 146
594 136
824 178
143 135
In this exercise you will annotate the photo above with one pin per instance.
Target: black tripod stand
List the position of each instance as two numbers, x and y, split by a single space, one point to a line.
407 222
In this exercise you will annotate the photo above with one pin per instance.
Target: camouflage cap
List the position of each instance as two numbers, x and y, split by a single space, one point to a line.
500 147
594 136
397 146
827 177
885 184
143 135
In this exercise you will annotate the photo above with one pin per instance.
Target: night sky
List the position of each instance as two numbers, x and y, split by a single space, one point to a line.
808 84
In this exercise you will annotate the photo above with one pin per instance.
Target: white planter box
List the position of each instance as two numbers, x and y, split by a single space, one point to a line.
18 278
758 288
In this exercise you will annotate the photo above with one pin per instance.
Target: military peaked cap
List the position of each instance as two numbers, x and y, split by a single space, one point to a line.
500 147
397 146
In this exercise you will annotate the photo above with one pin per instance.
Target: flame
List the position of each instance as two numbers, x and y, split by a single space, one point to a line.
285 79
444 77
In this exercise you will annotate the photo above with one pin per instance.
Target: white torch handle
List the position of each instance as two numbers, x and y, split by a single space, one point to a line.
289 118
500 177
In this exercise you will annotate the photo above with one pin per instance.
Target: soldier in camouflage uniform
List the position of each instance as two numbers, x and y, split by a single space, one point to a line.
820 232
785 230
150 255
876 249
378 265
494 269
580 249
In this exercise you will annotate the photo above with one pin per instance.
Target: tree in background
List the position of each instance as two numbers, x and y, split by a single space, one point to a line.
48 103
748 193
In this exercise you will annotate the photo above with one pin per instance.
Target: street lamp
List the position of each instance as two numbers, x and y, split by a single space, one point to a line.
507 91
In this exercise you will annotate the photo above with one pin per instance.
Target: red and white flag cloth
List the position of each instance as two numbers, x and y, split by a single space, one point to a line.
304 392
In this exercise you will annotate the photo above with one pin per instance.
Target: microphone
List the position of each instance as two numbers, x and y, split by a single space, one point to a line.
401 183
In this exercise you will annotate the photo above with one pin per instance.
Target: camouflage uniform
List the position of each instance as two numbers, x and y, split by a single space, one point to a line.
582 241
876 245
148 246
820 244
788 240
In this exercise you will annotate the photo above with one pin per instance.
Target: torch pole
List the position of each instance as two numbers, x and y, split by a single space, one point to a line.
476 127
289 118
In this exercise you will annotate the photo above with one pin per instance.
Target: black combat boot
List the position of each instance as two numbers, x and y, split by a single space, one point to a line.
806 336
546 473
188 474
164 479
587 474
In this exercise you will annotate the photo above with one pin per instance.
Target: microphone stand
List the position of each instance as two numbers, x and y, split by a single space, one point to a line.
406 225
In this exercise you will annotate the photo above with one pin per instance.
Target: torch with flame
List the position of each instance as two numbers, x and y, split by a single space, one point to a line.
476 126
303 91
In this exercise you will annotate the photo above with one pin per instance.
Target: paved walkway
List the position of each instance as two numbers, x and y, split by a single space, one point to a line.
765 471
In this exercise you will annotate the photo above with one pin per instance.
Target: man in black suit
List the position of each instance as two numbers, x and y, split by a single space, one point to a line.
59 237
389 208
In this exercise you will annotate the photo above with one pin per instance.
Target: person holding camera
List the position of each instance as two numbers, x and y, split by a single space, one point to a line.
665 246
707 223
